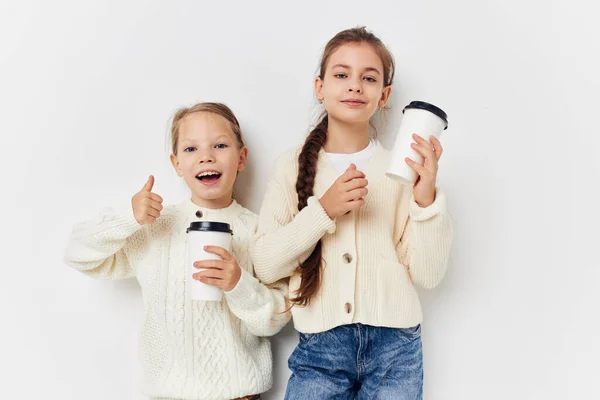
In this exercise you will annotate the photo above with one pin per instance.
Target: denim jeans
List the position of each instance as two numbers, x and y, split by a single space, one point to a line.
357 362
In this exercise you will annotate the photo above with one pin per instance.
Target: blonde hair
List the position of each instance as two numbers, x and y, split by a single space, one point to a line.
213 108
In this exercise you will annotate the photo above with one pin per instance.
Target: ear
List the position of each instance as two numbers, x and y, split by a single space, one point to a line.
385 96
319 89
175 163
243 159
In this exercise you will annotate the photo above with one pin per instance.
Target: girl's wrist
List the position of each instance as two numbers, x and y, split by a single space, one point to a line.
426 199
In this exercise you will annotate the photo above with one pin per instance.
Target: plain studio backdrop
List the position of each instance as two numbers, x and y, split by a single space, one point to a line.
87 90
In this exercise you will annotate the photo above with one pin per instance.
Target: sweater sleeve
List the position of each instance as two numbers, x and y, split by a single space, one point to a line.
99 248
263 309
425 244
286 237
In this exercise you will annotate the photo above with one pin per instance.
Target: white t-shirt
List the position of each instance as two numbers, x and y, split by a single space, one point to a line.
341 162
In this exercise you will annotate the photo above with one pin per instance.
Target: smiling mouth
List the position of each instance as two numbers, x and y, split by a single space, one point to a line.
209 177
353 103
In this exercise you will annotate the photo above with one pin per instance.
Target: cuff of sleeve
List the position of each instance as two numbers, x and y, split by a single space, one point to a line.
123 219
319 216
424 213
244 288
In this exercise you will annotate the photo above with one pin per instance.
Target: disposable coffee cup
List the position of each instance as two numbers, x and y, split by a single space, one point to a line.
425 120
200 234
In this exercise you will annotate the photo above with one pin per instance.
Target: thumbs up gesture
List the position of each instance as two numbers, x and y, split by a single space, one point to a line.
146 205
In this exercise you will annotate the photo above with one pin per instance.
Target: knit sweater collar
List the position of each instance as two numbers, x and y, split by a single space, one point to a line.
327 174
194 211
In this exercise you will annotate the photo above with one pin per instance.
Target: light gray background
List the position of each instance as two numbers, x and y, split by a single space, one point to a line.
86 93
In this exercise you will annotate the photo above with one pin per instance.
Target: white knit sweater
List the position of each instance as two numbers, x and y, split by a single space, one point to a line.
189 349
372 257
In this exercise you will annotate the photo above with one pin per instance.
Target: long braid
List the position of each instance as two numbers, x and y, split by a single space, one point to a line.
310 270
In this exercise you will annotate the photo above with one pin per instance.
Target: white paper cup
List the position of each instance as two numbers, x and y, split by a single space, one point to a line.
200 234
425 120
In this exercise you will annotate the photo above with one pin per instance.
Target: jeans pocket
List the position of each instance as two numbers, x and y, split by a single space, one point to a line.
409 333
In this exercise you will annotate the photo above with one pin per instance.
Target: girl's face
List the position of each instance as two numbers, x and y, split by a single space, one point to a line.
353 84
208 158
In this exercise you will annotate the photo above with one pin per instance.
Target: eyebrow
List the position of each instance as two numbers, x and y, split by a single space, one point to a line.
221 136
368 69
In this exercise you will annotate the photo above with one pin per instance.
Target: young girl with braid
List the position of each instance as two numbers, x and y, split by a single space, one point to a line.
353 241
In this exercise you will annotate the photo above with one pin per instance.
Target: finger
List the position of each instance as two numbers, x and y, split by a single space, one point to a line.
355 183
355 194
213 282
351 174
420 140
424 150
210 273
354 204
437 146
419 169
149 184
155 205
221 252
209 264
220 283
152 212
425 144
147 219
155 197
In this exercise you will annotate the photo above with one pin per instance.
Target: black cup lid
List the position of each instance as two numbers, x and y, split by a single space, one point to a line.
209 226
429 107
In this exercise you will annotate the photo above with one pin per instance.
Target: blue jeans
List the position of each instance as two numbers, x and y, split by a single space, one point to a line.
357 362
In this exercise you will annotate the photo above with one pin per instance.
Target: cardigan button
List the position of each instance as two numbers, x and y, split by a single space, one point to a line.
199 214
347 258
348 308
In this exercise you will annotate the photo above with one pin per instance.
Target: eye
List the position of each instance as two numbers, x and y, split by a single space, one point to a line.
341 76
370 79
221 146
189 149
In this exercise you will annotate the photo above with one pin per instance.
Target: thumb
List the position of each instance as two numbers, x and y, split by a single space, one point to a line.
352 167
149 184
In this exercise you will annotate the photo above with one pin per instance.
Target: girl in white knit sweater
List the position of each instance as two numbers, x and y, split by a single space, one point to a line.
191 349
353 241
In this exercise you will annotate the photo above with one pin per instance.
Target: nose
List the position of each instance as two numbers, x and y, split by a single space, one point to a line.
355 87
205 157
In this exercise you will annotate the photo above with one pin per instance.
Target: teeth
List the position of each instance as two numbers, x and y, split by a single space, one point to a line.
207 173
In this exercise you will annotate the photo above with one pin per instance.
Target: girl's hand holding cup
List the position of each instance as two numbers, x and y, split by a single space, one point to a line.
424 189
414 160
224 273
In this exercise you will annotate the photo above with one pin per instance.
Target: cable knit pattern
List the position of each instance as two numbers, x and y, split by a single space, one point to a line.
188 349
372 257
